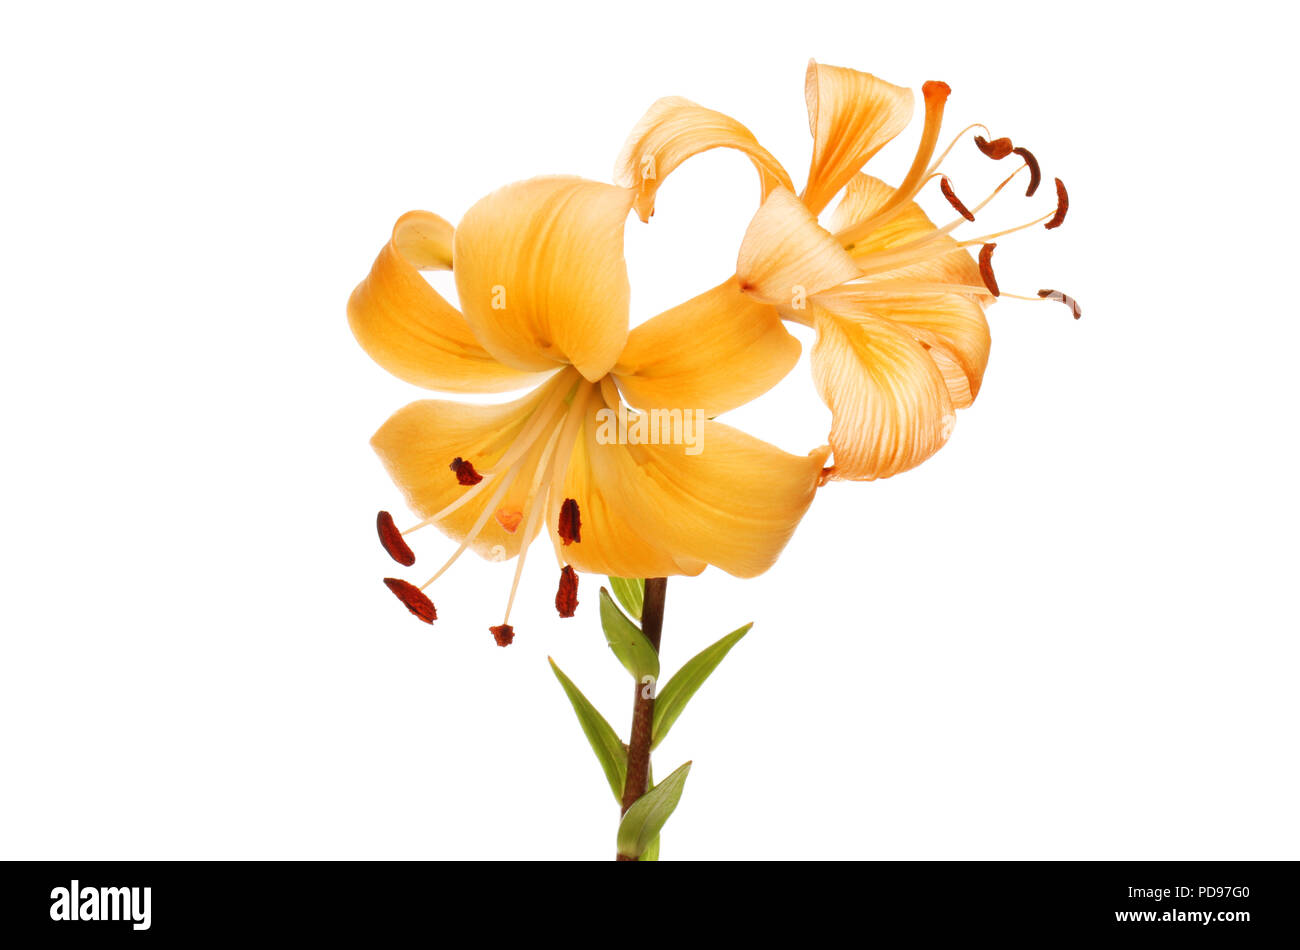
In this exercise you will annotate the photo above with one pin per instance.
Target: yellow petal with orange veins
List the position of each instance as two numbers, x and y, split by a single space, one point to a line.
674 129
660 509
409 329
889 403
786 255
851 115
952 327
541 276
714 352
419 442
946 262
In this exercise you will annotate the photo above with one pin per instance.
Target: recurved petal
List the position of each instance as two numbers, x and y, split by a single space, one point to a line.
952 327
420 441
541 275
714 352
851 115
409 329
674 129
655 510
947 263
785 255
889 402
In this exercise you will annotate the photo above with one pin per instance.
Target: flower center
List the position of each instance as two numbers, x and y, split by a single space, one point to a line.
549 438
942 241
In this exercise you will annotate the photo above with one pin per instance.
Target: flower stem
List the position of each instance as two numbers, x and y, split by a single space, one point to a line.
643 705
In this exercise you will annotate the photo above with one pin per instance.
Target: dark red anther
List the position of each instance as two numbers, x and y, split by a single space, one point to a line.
1062 206
566 598
505 634
946 187
393 541
998 148
986 269
1063 298
465 473
570 526
1035 174
413 597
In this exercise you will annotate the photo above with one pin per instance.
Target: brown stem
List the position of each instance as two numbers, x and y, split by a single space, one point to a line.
643 705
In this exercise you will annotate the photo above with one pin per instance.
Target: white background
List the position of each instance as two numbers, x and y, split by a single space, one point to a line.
1071 634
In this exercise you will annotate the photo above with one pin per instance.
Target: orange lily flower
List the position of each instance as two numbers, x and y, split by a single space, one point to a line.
897 301
543 290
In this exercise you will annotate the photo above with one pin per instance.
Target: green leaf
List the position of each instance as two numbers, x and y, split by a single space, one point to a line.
630 592
604 740
627 641
643 821
651 852
677 692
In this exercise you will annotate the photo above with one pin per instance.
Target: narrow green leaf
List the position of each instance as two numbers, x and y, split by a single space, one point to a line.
604 740
677 692
651 852
630 592
643 821
627 641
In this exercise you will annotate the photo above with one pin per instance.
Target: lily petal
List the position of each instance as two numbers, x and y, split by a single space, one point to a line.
419 442
672 130
787 256
951 327
541 275
656 510
889 402
852 115
409 329
714 352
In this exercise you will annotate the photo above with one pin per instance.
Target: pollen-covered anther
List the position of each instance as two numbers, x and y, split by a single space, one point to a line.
1035 173
1063 298
566 598
986 269
570 522
465 472
1062 206
997 149
504 634
414 599
946 187
393 541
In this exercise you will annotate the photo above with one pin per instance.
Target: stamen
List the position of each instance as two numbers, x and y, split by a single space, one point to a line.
566 598
465 473
1062 206
1063 298
985 238
946 187
482 519
918 250
414 599
392 541
953 144
1035 175
504 634
997 149
986 269
570 522
536 508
